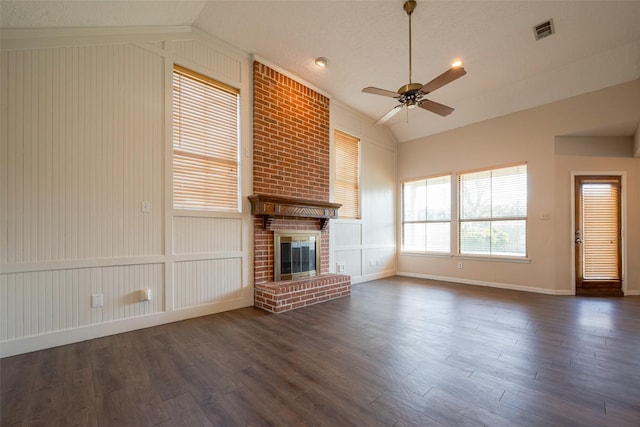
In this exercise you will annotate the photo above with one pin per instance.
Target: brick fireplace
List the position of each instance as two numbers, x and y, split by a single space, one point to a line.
290 160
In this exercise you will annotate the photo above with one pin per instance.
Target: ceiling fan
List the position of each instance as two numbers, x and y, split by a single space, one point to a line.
412 94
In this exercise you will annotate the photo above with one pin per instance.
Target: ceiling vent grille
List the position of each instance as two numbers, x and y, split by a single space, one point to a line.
544 29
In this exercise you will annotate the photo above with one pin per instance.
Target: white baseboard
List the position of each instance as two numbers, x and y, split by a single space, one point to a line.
373 276
632 293
487 284
70 336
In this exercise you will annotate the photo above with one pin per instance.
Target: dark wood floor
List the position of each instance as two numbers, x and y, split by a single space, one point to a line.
397 352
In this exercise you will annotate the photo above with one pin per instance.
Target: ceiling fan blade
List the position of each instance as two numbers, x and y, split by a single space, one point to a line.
447 77
390 114
377 91
434 107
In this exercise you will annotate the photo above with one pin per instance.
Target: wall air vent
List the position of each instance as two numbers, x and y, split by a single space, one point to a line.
544 29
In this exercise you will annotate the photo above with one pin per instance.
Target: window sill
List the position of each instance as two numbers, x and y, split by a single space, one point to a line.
427 254
201 213
513 259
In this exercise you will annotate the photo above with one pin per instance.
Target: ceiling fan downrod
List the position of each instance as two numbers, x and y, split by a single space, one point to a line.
409 7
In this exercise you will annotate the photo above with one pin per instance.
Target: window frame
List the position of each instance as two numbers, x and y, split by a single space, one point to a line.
233 199
426 220
460 221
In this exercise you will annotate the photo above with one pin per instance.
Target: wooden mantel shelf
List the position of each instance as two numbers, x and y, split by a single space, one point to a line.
269 206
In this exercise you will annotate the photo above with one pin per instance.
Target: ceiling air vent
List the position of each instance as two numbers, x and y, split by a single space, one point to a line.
543 29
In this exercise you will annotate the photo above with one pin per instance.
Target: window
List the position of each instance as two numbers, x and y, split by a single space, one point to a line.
347 175
205 143
426 215
493 211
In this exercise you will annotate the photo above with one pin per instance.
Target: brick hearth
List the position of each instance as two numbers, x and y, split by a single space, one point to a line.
278 297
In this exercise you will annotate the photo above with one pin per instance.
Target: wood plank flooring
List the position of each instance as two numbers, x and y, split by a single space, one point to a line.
398 352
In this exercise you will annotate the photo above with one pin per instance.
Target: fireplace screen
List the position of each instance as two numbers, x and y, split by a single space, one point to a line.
296 254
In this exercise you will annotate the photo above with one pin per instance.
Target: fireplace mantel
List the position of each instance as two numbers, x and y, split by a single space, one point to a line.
269 206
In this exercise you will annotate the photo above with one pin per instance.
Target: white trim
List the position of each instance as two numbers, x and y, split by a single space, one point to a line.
69 336
290 75
201 213
195 256
372 276
426 254
495 258
348 221
33 38
81 263
364 247
169 217
623 225
509 286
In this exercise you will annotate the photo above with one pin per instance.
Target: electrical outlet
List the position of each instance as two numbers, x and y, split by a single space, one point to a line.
460 265
340 267
97 300
145 295
145 207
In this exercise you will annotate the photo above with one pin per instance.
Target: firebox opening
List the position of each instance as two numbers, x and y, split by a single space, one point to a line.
296 254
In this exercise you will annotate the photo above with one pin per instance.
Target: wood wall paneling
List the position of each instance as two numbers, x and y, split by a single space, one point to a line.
41 302
207 281
198 235
83 143
82 151
347 233
200 53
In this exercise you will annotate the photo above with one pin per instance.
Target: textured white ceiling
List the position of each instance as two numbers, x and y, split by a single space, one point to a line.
597 44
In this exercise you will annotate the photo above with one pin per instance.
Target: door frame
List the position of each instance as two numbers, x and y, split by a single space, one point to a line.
623 224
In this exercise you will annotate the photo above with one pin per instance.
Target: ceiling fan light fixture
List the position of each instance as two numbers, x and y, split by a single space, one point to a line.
321 62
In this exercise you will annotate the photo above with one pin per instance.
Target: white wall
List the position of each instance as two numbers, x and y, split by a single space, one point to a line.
86 138
530 136
367 246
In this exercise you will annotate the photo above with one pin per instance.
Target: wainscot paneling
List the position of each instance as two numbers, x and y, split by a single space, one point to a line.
35 303
347 234
206 235
379 260
352 260
207 281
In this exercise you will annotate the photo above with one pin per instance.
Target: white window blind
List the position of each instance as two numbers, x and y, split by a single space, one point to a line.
601 218
347 175
426 215
205 143
493 211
